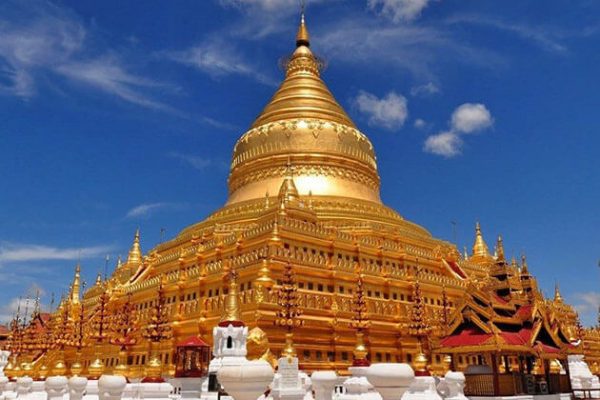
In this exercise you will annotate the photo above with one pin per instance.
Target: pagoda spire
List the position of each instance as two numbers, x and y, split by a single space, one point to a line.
480 248
524 268
76 285
500 250
232 301
302 37
557 296
288 191
99 279
135 253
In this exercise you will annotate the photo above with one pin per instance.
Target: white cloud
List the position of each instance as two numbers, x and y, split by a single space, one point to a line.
587 306
389 112
466 118
266 17
589 301
9 310
268 5
197 162
218 59
39 39
33 38
145 209
420 123
19 252
108 75
446 144
549 39
416 48
425 90
471 117
398 10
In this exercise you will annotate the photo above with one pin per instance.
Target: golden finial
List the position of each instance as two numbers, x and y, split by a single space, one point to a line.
76 285
232 301
302 37
557 296
99 279
480 249
524 268
288 191
181 258
263 274
500 249
135 254
119 262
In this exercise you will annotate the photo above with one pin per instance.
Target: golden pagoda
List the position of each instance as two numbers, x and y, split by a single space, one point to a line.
326 219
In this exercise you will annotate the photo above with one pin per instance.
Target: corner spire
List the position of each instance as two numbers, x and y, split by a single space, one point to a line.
231 314
135 253
76 285
557 296
500 250
524 268
480 248
288 191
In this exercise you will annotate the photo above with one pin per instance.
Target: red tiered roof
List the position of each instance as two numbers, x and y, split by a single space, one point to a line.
456 269
468 337
500 299
524 312
521 338
473 337
544 348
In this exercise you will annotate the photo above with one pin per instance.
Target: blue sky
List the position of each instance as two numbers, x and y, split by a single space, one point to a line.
118 114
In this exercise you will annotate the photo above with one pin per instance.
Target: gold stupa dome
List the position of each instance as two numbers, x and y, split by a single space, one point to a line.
303 125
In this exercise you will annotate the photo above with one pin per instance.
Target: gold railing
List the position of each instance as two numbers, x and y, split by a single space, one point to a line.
511 384
483 385
479 385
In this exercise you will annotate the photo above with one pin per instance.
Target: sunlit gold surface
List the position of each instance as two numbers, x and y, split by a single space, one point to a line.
59 367
153 369
122 368
76 368
27 369
304 124
43 372
96 369
360 350
420 363
303 192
